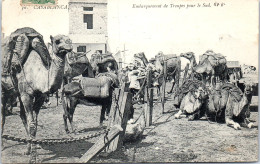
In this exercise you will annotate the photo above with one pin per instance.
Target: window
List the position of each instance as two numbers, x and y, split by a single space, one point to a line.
88 18
81 49
99 51
87 8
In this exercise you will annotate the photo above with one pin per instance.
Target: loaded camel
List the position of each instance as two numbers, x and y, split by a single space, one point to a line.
15 51
101 66
211 66
36 80
100 62
173 68
75 64
191 98
90 92
230 104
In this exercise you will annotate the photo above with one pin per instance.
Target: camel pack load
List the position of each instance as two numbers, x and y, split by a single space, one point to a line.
217 59
216 95
98 87
17 47
76 64
188 86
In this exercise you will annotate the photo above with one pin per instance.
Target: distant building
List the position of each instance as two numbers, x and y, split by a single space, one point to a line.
88 25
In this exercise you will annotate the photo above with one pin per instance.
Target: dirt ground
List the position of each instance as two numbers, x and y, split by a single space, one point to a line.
167 140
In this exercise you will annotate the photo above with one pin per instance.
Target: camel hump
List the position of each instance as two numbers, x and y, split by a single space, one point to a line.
17 47
234 90
190 85
214 58
169 56
27 31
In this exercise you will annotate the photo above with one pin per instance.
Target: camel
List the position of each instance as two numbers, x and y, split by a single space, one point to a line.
15 51
9 95
90 92
100 62
219 64
75 64
173 68
191 97
230 104
140 57
36 80
204 68
193 64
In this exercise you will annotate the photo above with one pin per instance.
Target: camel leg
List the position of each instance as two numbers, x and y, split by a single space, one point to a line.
109 104
27 101
181 111
39 100
23 116
102 115
158 92
228 118
232 123
72 107
178 115
194 116
66 106
246 120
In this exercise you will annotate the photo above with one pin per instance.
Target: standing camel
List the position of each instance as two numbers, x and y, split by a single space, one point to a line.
173 67
219 64
204 68
90 92
100 62
36 80
75 64
15 51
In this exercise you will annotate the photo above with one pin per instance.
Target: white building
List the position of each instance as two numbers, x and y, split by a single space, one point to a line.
88 25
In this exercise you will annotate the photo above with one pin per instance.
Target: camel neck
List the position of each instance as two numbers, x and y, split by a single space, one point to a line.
193 62
55 73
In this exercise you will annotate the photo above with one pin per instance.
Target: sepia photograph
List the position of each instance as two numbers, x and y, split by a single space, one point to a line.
119 81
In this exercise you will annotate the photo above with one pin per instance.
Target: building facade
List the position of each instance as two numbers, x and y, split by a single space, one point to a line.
88 25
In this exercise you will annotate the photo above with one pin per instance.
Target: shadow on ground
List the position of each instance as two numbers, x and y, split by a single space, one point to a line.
66 150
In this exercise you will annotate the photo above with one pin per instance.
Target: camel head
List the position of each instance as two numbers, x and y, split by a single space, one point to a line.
140 55
248 88
140 58
61 44
188 55
159 57
199 93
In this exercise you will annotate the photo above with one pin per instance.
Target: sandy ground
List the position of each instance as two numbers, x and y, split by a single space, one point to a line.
167 140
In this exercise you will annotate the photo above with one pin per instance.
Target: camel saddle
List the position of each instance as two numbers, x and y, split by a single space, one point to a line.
169 56
96 87
235 95
220 59
16 49
187 86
